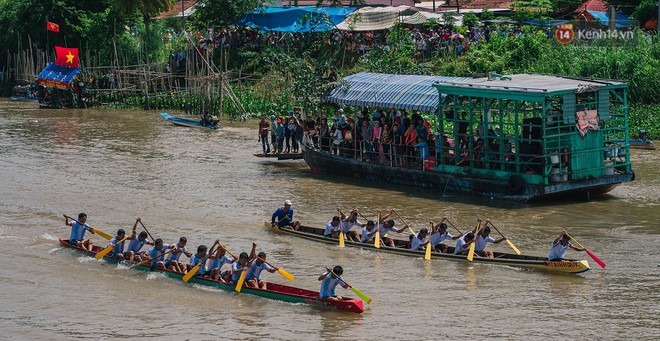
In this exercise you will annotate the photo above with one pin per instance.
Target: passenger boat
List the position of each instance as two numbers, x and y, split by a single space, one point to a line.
524 137
274 291
506 259
642 144
187 122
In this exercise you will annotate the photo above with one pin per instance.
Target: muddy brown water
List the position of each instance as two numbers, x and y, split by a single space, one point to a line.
118 165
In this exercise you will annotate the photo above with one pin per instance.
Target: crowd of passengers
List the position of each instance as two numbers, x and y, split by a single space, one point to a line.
394 137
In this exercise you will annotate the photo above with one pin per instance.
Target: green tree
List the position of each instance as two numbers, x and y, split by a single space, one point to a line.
470 20
147 8
224 12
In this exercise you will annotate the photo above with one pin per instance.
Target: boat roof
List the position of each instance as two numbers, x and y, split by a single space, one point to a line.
409 92
531 83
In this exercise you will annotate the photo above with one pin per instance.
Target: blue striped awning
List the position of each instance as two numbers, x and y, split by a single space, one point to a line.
409 92
57 76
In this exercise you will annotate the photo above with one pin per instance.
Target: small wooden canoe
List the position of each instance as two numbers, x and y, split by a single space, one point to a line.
522 261
273 291
187 122
642 144
24 99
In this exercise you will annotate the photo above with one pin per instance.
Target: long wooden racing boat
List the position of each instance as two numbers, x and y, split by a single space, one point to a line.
274 291
187 122
402 248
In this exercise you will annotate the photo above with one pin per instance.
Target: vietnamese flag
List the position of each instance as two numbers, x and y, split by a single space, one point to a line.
66 56
51 26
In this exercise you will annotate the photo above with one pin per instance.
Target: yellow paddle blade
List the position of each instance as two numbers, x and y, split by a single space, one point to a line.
192 272
362 295
470 255
141 263
102 234
515 249
427 255
285 274
341 239
377 239
241 279
104 252
411 230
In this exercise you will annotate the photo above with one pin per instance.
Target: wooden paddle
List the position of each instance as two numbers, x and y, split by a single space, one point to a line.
150 259
377 236
470 255
145 228
194 270
281 271
404 222
97 231
591 254
341 232
427 255
360 294
109 248
515 249
452 225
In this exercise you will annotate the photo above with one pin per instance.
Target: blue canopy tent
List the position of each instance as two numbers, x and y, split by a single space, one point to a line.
295 19
409 92
57 76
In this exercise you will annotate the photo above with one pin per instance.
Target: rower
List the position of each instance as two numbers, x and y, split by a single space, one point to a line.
133 252
420 240
172 262
117 247
385 227
332 228
463 244
482 240
157 254
559 248
438 235
284 216
347 223
216 262
368 232
78 229
253 272
239 266
330 279
196 259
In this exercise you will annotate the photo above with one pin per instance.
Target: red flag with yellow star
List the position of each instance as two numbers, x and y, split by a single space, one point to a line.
66 56
51 26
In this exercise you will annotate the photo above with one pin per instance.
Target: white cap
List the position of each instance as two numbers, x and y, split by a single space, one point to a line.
340 110
287 202
425 117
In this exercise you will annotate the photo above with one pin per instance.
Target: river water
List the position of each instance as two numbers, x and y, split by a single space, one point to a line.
119 165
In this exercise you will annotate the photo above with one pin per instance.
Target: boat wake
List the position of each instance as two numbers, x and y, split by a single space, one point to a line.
155 276
49 237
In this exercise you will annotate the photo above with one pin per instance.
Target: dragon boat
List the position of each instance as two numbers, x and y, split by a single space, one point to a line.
273 291
402 248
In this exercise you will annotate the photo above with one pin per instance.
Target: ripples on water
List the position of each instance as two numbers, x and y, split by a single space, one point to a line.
118 165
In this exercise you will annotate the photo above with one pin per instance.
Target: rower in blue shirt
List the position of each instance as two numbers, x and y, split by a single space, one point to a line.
284 216
329 282
78 229
259 264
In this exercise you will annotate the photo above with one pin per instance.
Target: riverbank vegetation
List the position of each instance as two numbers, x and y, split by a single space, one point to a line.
112 33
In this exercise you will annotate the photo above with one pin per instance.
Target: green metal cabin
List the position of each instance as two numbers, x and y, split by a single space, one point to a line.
543 135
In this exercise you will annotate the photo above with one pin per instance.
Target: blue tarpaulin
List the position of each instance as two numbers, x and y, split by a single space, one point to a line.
57 75
295 19
409 92
622 19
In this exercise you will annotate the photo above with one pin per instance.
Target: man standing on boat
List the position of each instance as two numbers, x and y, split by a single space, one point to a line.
263 135
559 248
273 132
482 240
284 216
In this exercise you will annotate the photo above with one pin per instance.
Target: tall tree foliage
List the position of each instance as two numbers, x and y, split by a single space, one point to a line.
224 12
147 8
